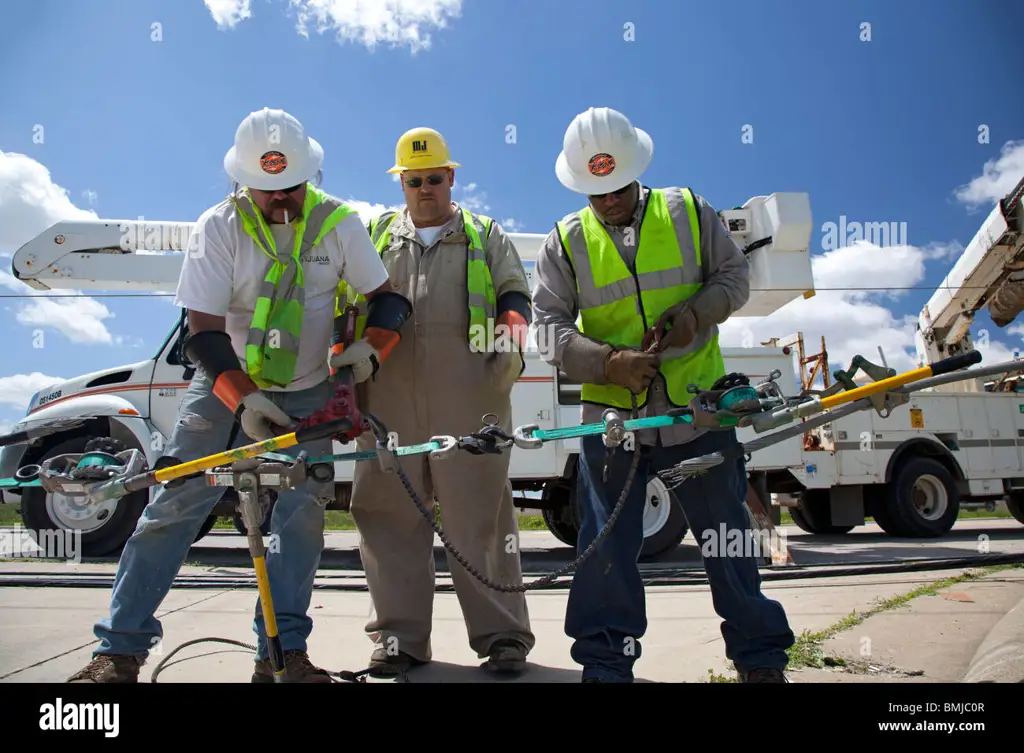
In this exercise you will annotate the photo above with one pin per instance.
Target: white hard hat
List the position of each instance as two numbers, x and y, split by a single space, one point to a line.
272 152
602 152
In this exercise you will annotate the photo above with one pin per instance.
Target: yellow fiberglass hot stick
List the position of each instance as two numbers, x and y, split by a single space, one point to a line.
120 487
938 368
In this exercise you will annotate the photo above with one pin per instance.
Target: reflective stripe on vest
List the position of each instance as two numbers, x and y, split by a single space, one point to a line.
272 347
481 297
618 306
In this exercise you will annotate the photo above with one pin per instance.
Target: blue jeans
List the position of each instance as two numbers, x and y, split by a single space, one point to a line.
606 614
168 526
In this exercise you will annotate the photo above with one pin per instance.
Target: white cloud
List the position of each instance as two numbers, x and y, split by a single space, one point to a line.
851 313
229 13
16 390
471 198
368 210
998 178
399 23
30 202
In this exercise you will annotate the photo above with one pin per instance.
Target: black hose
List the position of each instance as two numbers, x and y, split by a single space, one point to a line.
660 577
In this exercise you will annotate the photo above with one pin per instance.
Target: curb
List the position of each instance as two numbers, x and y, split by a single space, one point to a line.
1000 657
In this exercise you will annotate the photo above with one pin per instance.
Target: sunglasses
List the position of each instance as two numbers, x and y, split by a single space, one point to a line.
289 190
434 180
611 193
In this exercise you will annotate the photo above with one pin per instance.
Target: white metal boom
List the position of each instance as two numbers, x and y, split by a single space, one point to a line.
138 255
990 272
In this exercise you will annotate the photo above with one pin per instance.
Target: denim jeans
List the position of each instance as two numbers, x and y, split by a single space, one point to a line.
168 526
606 614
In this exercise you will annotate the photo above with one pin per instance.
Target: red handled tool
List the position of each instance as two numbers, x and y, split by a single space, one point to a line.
342 407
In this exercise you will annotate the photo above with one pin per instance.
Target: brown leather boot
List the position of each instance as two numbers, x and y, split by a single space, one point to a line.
506 657
384 664
109 669
297 667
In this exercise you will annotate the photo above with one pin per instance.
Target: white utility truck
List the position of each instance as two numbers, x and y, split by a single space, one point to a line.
961 443
136 405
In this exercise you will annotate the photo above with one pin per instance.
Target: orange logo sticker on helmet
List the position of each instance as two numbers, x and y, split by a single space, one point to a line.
273 162
601 164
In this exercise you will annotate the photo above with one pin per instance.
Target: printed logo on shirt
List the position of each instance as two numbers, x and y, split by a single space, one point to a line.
307 259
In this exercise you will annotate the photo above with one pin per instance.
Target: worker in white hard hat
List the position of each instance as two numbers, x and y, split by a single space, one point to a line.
650 273
260 339
457 362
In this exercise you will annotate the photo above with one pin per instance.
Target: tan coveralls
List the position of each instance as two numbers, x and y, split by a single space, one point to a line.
430 384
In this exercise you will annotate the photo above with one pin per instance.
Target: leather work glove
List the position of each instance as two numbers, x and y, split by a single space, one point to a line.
632 369
262 420
675 328
362 357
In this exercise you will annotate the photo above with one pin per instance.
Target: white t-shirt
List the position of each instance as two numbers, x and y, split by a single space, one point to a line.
223 271
428 234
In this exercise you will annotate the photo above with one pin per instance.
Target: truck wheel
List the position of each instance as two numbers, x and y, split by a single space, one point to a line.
104 526
814 514
559 511
665 523
1015 504
206 527
239 524
923 501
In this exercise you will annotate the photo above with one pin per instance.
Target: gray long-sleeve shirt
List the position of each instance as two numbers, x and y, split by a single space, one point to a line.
726 287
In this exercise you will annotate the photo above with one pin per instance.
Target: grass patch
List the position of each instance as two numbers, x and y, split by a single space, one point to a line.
807 651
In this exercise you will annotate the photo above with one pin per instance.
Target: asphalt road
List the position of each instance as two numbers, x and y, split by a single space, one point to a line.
541 551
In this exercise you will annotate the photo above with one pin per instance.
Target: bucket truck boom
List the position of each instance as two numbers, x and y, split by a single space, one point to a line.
989 273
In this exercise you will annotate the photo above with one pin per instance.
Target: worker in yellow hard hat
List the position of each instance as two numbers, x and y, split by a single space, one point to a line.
466 280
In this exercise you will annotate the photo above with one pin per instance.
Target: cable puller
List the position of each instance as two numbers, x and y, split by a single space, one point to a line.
258 473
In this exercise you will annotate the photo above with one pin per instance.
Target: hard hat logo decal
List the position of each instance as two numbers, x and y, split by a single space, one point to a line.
601 164
273 162
419 146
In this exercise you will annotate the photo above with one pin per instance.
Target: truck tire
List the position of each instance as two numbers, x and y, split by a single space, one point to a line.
206 527
665 523
922 500
559 510
236 520
104 526
107 526
814 514
1015 504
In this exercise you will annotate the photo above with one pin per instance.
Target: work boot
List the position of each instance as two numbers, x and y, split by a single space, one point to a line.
506 657
763 674
297 667
109 669
384 664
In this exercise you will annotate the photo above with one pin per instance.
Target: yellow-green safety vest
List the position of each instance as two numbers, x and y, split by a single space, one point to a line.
272 345
618 306
481 297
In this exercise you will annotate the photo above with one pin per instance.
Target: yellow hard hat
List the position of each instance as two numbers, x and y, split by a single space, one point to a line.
421 149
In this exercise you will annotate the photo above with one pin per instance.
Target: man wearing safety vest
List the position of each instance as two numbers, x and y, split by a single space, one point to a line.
455 364
641 265
260 281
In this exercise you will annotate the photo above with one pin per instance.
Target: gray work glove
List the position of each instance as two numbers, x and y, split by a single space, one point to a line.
262 420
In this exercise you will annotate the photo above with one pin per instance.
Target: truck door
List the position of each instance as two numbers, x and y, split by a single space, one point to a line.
171 378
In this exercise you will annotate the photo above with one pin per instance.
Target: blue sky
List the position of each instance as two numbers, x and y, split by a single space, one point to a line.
138 101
